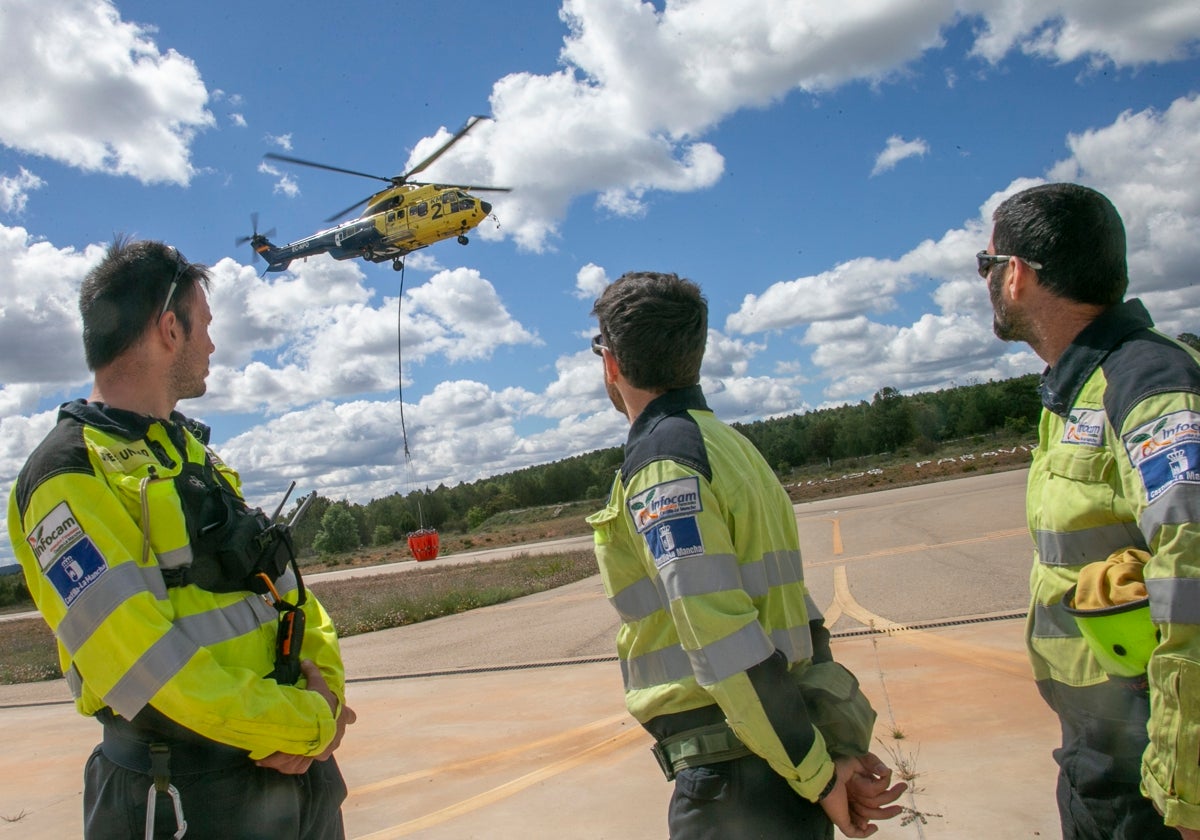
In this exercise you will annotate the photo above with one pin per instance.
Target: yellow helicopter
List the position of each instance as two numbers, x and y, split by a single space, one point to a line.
404 217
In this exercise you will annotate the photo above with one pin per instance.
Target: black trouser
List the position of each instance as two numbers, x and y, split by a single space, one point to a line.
1103 738
743 799
244 802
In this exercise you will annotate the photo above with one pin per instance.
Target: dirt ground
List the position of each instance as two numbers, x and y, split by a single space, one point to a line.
568 520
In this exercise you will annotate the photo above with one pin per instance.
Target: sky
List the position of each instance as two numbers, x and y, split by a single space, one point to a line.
824 170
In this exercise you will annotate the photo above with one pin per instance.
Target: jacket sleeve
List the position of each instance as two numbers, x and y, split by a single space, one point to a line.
718 626
124 644
1160 474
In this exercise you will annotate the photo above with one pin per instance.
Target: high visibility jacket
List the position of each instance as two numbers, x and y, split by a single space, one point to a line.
95 518
1118 466
699 555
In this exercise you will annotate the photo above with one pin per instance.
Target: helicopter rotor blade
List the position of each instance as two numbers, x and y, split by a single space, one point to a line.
458 135
352 207
466 187
315 165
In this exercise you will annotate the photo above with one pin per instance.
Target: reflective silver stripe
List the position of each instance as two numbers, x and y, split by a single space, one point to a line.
175 558
702 575
74 681
112 589
776 568
1178 506
639 600
212 627
736 652
163 660
659 667
1053 622
150 673
152 577
794 642
1175 600
286 582
1075 548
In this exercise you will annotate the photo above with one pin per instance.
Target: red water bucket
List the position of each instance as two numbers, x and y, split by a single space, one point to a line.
423 544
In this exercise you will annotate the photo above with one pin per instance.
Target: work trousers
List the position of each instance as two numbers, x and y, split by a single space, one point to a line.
1099 762
245 802
743 799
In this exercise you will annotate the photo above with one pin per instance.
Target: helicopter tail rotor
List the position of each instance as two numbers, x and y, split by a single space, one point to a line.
255 238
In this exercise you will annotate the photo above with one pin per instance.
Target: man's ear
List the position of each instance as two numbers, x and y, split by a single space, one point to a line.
167 330
611 368
1021 279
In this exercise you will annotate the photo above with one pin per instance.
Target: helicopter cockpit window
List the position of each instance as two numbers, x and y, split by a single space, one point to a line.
446 197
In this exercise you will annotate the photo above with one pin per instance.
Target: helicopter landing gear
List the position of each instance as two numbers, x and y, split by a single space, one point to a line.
462 240
397 265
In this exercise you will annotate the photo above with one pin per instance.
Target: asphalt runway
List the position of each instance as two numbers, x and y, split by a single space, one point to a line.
508 721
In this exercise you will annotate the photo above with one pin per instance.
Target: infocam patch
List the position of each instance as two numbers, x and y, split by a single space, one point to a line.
77 569
1085 427
1166 452
668 500
674 539
57 532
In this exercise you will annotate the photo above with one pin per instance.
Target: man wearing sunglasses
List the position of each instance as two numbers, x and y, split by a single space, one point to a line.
725 657
1113 504
131 533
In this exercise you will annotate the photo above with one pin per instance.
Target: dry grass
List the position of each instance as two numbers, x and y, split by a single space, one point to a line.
357 605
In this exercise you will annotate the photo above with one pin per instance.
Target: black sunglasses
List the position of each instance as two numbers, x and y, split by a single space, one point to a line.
986 261
181 267
598 345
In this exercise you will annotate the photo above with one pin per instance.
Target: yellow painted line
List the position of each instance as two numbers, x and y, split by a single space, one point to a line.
910 549
982 656
490 759
837 536
501 792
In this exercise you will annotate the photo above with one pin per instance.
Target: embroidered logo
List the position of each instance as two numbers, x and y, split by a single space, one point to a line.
76 570
1085 426
57 532
1166 452
672 540
665 501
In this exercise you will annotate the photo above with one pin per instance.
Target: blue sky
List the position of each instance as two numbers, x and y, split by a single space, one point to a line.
825 170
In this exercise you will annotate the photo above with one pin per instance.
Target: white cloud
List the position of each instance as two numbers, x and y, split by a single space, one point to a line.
15 189
898 149
590 282
283 141
1120 34
1147 162
83 87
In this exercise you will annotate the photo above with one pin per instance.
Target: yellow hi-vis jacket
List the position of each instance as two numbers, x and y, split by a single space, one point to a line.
699 555
95 518
1118 466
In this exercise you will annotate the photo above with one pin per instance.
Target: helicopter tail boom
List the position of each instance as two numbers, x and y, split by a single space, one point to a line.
275 257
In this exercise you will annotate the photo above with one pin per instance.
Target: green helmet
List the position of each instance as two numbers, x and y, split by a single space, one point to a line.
1121 637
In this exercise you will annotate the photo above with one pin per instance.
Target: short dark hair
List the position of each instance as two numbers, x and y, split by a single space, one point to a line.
656 325
1075 233
123 295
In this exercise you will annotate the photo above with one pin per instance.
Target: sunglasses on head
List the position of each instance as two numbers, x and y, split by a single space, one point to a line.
598 345
181 267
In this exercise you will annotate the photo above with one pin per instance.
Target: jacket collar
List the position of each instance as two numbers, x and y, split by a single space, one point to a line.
127 424
663 406
1062 383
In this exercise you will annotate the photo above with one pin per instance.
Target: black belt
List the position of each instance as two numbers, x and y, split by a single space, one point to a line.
128 746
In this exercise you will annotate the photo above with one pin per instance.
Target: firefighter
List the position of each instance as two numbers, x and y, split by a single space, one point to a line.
1113 504
182 627
725 657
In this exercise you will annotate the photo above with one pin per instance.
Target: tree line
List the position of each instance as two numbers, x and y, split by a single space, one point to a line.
890 422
